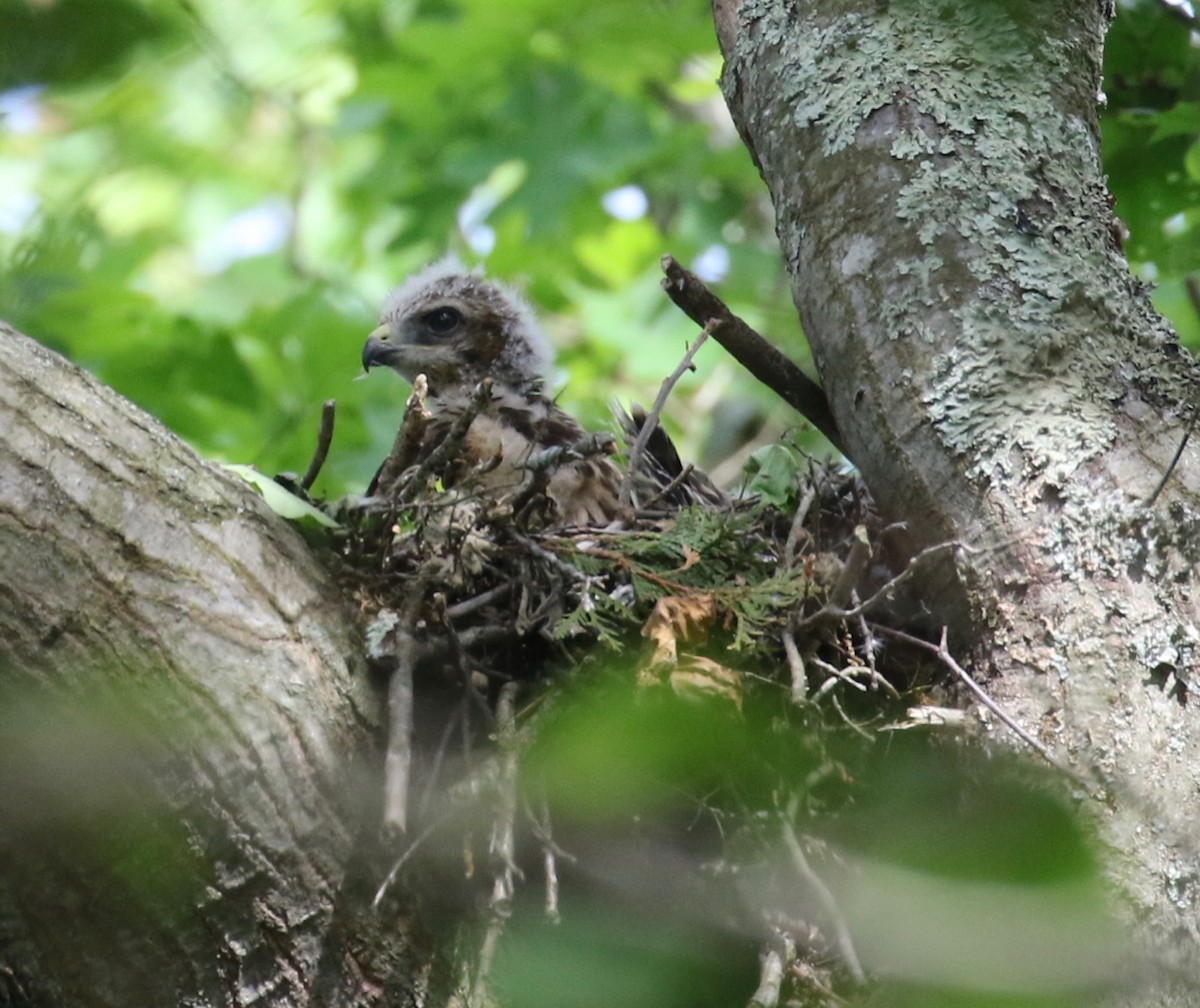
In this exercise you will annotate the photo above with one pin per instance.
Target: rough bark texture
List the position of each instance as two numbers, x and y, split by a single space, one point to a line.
181 700
1000 378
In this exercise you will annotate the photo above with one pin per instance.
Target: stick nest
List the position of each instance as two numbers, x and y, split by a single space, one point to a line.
703 595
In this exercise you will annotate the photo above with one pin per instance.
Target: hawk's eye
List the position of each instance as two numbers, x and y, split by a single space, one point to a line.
443 320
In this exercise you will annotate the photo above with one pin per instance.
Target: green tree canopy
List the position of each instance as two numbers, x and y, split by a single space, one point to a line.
205 202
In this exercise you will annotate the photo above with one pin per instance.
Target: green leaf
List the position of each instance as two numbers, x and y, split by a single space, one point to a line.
772 471
284 504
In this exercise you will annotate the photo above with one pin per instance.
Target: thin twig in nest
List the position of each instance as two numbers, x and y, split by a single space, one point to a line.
852 570
795 663
399 863
650 424
670 488
468 606
324 439
551 852
770 980
445 450
503 844
797 534
750 350
408 440
829 611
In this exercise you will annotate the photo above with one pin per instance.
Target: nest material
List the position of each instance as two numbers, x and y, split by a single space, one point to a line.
486 590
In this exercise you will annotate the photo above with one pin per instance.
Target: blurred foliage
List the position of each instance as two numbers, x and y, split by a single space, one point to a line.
964 878
205 202
1151 149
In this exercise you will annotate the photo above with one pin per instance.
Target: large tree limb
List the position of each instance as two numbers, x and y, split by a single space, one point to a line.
181 696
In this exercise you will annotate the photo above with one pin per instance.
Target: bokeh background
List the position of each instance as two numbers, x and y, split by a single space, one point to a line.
205 201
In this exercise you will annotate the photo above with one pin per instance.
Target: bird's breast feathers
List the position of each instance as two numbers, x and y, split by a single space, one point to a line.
513 427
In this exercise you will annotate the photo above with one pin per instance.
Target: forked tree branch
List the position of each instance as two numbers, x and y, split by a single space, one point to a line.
749 349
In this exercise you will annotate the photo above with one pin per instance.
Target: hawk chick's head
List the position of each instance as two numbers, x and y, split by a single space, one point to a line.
457 328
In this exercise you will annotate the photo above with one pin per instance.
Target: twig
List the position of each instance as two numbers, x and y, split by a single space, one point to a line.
436 460
670 488
650 424
439 757
570 571
397 765
551 852
550 872
852 570
750 350
468 606
850 722
943 654
407 444
830 611
324 439
503 838
770 980
797 527
400 862
929 717
1175 458
795 666
840 931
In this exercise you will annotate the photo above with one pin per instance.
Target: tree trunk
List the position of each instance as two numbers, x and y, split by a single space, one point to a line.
1001 380
184 710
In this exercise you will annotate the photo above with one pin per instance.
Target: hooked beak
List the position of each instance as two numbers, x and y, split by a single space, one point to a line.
379 351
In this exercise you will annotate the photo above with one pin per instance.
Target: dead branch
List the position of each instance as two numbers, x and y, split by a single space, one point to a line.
824 896
749 349
407 444
503 844
942 651
852 570
324 440
397 767
770 980
650 424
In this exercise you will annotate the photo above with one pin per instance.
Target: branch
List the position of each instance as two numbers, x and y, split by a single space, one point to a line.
841 932
946 658
407 443
750 350
650 424
397 768
324 439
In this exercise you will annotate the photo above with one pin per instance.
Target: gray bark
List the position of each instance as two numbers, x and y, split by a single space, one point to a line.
1001 380
183 709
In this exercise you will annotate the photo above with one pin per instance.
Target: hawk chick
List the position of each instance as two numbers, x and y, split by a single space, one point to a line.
457 328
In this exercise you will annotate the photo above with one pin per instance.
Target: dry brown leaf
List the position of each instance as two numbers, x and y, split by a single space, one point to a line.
679 619
699 676
675 618
690 559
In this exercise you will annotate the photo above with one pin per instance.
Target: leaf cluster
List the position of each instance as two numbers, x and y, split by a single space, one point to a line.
206 203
